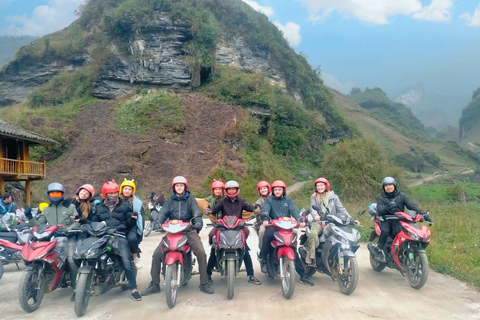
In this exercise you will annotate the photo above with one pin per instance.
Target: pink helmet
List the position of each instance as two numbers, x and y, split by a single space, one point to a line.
87 187
179 179
262 184
322 180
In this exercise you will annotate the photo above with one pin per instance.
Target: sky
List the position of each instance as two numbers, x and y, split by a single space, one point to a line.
391 44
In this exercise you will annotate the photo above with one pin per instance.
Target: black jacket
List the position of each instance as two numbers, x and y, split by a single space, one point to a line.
120 218
232 207
76 203
389 203
183 208
275 207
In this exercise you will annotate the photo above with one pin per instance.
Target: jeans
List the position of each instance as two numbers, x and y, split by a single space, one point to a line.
124 253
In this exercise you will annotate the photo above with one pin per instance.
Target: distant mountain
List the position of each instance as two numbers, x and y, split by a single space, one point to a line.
448 133
470 121
10 45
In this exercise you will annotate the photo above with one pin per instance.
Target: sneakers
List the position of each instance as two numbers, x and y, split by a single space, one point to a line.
137 263
307 280
206 288
152 288
309 261
381 256
72 298
264 266
136 296
254 280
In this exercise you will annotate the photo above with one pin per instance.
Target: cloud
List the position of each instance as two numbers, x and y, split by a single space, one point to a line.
45 19
379 11
291 32
473 20
268 11
334 83
437 11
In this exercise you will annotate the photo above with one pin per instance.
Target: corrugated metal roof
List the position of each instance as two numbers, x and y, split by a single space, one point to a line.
9 130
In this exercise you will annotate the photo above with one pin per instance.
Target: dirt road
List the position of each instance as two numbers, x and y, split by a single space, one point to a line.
384 295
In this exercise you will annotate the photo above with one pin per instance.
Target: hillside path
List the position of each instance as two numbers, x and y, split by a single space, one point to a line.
295 187
385 295
421 181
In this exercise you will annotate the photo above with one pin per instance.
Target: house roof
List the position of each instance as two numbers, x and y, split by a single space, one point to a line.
9 130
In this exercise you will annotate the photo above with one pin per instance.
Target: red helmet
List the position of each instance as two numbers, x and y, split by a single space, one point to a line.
262 184
281 184
109 186
179 179
322 180
217 184
87 187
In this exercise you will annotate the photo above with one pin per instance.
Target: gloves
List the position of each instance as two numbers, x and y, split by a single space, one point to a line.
28 212
427 218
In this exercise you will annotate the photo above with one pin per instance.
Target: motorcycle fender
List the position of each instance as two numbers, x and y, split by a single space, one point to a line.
172 257
85 269
418 249
286 251
348 253
31 266
231 256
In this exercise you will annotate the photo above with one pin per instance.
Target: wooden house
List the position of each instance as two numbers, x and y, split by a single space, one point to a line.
15 164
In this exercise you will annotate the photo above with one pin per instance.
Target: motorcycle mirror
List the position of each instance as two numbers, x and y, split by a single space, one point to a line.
361 212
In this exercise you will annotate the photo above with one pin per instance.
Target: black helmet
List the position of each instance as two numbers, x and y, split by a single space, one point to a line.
55 187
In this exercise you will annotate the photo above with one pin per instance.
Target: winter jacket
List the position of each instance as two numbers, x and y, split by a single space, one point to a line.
275 207
232 207
56 214
389 203
6 207
334 206
183 208
89 218
119 218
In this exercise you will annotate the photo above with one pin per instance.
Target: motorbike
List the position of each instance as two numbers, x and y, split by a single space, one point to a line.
404 251
100 266
12 243
335 255
152 224
45 257
229 245
281 260
178 266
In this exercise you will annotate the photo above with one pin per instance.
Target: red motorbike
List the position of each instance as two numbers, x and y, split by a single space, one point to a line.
178 264
11 244
281 260
45 259
406 250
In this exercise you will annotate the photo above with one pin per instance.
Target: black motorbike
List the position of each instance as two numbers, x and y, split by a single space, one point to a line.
335 255
101 266
153 224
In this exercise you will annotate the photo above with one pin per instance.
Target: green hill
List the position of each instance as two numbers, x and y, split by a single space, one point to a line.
470 123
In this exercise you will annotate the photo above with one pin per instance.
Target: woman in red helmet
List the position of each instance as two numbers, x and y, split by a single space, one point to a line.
218 192
83 202
329 203
117 213
264 190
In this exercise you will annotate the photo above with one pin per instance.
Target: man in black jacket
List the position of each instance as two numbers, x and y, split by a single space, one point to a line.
182 206
390 201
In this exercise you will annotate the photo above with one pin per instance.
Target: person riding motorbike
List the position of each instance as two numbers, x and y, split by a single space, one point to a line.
390 201
116 213
279 205
329 203
264 190
83 203
59 213
183 206
233 205
135 234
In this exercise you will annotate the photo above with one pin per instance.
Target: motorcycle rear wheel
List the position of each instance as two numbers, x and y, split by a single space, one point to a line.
148 229
418 271
170 284
347 282
288 281
376 265
31 288
231 268
83 291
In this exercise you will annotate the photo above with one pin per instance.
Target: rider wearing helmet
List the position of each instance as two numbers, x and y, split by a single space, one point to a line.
390 201
134 235
218 192
329 203
264 191
116 213
233 205
183 206
279 205
59 213
83 202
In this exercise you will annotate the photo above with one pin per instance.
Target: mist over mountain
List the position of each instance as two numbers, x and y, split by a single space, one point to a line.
10 45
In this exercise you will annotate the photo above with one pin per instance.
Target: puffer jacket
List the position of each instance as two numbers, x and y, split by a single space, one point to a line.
275 207
183 208
334 206
389 203
119 218
57 214
232 207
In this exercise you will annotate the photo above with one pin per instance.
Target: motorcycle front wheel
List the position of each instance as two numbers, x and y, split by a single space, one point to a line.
31 289
348 281
288 281
171 285
83 291
231 269
417 270
148 229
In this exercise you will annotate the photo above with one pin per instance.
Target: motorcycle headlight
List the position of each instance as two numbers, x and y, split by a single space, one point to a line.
91 252
238 240
414 236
